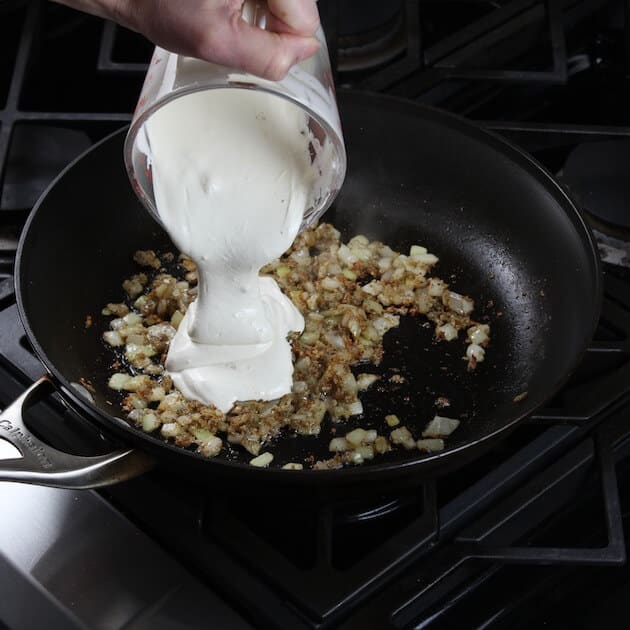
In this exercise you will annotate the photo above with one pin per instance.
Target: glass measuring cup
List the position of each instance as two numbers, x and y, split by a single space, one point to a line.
308 85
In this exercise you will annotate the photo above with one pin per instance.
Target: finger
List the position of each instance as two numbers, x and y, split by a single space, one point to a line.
266 54
296 17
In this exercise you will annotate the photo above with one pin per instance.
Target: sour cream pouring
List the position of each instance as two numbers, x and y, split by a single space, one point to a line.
233 175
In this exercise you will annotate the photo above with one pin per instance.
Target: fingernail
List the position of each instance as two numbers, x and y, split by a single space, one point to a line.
311 46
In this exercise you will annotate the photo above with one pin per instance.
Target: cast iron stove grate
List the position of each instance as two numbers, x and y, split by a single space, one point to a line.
311 566
67 80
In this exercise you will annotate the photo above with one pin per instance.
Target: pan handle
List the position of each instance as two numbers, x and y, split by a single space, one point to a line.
38 463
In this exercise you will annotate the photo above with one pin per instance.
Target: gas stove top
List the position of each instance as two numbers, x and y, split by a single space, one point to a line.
530 534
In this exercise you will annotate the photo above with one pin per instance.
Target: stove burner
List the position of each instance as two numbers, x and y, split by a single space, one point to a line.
374 509
612 250
355 19
597 174
352 527
368 37
372 48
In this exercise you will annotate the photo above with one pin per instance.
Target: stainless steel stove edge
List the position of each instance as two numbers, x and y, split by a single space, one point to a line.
69 560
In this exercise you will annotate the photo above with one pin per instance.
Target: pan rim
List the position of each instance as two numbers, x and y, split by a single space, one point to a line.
405 467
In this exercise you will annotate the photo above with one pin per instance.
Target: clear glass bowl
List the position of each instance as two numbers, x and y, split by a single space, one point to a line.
309 85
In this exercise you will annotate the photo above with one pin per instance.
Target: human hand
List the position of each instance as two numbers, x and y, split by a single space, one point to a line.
214 30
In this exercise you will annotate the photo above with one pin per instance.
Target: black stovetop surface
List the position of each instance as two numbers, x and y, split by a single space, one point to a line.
532 533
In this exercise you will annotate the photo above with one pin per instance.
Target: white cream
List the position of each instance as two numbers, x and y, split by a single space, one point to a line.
233 176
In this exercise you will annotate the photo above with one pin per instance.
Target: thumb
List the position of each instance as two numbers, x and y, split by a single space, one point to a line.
267 54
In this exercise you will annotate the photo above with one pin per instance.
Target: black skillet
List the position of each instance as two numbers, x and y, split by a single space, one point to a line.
505 234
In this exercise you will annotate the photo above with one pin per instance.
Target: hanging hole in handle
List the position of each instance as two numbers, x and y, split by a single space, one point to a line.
46 465
54 421
8 451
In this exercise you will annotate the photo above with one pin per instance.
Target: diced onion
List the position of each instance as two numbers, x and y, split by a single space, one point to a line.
300 387
475 352
417 250
362 253
331 284
132 319
392 420
211 447
133 351
310 338
160 334
478 334
118 381
350 384
137 339
136 383
355 408
201 435
113 338
262 461
135 415
301 257
140 302
157 394
137 402
372 288
150 422
427 259
333 269
384 323
338 445
370 436
346 256
355 457
176 319
381 445
458 303
448 332
364 381
336 341
171 429
402 437
366 452
430 445
117 323
359 239
436 287
356 437
440 426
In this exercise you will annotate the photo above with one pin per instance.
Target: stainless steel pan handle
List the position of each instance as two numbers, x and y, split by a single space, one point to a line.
39 463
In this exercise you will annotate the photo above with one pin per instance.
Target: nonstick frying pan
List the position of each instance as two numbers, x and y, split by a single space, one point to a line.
504 231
